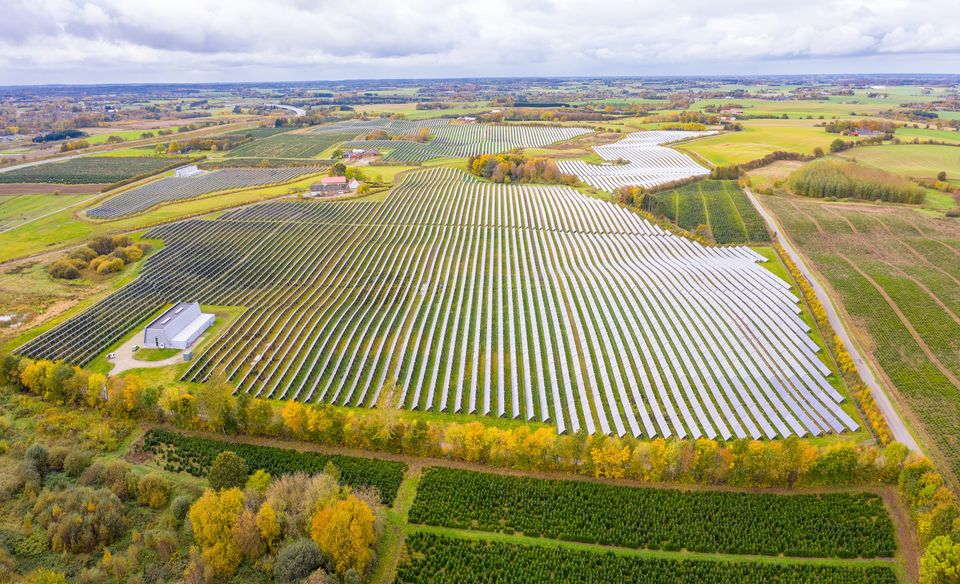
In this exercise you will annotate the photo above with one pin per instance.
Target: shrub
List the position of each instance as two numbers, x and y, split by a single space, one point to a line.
36 456
259 481
180 507
297 561
83 253
153 491
75 463
345 531
56 458
101 245
115 475
63 270
121 240
110 266
44 576
227 471
80 519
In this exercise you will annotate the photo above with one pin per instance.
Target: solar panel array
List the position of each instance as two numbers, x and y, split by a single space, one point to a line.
453 294
179 188
648 163
449 139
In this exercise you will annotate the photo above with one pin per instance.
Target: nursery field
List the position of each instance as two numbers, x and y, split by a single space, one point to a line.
286 145
193 455
842 525
721 205
896 272
648 162
455 295
912 160
761 137
437 559
91 169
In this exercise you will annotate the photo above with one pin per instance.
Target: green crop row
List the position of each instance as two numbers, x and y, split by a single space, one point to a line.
433 559
195 455
810 525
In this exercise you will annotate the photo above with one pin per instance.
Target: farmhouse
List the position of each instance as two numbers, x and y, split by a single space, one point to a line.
188 171
360 153
330 185
178 327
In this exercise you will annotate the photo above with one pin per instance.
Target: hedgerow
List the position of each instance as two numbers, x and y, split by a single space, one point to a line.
810 525
434 559
194 455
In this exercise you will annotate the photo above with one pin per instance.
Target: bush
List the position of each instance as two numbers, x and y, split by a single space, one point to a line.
80 519
75 463
153 491
180 507
56 458
110 266
115 475
121 240
83 253
228 471
297 561
101 245
36 456
64 270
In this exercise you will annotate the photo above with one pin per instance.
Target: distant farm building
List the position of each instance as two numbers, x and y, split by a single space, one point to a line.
354 184
330 185
188 171
360 153
178 327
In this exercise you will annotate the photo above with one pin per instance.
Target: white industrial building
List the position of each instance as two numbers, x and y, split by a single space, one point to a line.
188 171
178 327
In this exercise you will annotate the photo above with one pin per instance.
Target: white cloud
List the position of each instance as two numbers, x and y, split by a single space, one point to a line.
209 40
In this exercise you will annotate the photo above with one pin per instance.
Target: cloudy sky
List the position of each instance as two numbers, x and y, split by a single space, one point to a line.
93 41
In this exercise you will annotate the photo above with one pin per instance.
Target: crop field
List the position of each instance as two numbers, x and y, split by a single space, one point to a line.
912 160
842 525
194 455
720 204
897 273
91 169
453 140
15 209
456 295
649 163
438 559
287 145
176 188
761 137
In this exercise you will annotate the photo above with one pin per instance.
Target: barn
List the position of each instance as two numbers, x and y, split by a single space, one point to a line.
178 327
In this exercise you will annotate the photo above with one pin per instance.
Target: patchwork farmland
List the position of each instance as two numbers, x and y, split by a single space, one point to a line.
179 188
648 162
454 140
458 295
91 170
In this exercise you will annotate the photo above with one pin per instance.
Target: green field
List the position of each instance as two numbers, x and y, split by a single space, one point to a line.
15 209
759 138
896 272
90 169
840 525
438 559
913 160
287 146
719 204
906 134
125 134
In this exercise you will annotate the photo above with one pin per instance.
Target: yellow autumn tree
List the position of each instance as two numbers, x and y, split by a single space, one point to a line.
295 417
609 460
267 524
345 530
213 517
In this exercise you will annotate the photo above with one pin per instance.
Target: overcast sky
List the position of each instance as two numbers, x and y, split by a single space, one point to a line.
95 41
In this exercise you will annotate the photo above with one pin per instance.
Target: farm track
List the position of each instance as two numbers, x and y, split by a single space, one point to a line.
898 428
630 329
